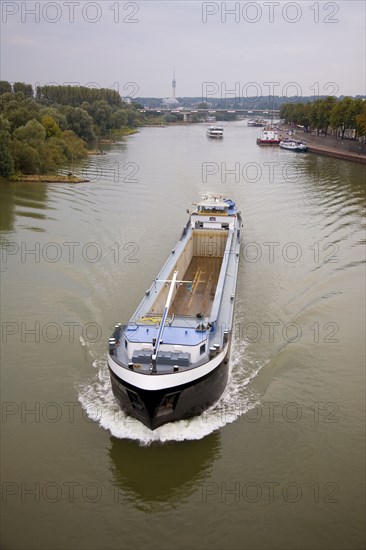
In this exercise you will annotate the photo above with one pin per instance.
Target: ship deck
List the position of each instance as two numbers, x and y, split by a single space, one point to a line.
204 273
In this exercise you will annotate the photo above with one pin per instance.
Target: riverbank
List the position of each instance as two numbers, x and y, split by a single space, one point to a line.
330 146
94 152
117 135
48 178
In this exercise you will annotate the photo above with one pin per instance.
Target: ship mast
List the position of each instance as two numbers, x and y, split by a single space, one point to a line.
164 316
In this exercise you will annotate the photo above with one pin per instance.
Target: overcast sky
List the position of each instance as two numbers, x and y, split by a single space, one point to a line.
115 43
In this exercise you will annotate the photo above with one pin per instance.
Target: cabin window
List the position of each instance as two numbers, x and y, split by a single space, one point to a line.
225 226
202 349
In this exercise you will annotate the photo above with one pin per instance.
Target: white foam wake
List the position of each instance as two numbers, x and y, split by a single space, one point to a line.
98 401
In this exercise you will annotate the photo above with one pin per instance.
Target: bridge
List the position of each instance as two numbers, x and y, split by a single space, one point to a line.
188 112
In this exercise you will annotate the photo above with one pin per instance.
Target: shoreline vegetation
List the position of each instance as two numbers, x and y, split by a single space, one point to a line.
48 178
44 130
344 118
331 127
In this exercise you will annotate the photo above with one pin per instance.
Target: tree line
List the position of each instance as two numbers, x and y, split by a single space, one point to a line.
43 129
346 117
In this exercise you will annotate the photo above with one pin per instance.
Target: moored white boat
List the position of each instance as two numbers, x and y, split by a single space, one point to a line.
258 123
216 132
293 145
269 136
171 360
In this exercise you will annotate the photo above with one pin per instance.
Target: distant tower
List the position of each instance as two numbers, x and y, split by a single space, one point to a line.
174 82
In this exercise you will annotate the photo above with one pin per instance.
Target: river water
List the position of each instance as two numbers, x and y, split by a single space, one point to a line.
278 463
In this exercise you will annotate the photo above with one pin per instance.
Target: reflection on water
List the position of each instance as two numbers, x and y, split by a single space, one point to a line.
335 184
22 200
6 208
161 474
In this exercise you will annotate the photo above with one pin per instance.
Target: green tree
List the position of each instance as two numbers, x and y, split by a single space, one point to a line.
284 112
5 87
356 109
361 120
307 116
119 118
18 110
52 155
80 122
26 159
315 116
74 147
57 116
51 126
195 117
170 118
133 117
324 108
102 113
25 89
76 95
40 133
29 143
6 158
341 117
32 133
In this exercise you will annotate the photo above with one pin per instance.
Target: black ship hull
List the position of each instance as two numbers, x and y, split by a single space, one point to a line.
155 408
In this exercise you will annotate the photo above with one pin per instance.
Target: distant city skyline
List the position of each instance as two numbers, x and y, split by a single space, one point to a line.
241 48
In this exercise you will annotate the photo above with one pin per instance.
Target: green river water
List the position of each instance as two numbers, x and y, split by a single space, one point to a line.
278 462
